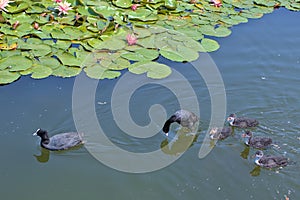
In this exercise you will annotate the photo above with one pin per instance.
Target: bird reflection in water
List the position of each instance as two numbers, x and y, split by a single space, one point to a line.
183 139
44 156
255 171
245 153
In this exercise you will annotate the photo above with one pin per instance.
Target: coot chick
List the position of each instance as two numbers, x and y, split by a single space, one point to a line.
269 161
61 141
220 133
183 117
241 122
256 142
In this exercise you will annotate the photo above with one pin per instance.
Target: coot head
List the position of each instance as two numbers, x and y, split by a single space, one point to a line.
231 118
247 134
259 154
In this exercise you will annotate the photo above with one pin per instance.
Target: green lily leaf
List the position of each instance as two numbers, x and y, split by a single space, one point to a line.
141 55
170 4
97 71
8 77
122 3
40 71
119 64
147 42
60 34
154 70
50 62
68 59
15 63
64 71
180 54
18 8
209 45
112 44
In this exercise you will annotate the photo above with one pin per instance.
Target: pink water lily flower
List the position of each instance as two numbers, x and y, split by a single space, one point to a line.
131 39
64 7
3 4
217 3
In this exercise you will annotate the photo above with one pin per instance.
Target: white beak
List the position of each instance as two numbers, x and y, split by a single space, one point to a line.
35 133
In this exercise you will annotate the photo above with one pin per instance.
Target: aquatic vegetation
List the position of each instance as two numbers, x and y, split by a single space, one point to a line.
62 38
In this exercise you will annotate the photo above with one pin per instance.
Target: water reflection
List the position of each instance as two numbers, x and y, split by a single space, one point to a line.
44 156
183 140
245 152
255 171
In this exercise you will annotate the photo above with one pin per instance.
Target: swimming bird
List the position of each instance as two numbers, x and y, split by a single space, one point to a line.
269 161
256 142
183 117
241 122
220 133
61 141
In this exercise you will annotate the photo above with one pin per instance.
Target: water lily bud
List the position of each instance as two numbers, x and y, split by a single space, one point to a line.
36 26
15 25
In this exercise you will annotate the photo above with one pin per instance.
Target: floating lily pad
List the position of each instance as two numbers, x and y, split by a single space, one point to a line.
8 77
68 59
97 71
17 8
142 32
209 45
122 3
112 44
110 74
40 71
118 64
180 54
154 70
64 71
141 54
15 63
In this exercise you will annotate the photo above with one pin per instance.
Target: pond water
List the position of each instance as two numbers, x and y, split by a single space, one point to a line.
259 64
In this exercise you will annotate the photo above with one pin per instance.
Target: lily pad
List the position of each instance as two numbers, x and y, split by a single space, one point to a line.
40 71
153 69
64 71
118 64
8 77
68 59
112 44
141 54
15 63
179 54
122 3
209 45
97 71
